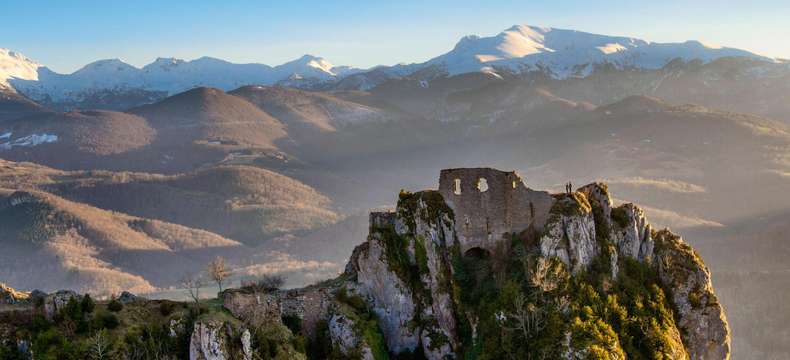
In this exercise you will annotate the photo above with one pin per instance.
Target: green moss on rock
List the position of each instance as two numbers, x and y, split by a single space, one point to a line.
620 216
572 204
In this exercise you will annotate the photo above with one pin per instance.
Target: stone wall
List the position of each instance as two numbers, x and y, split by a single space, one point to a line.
489 203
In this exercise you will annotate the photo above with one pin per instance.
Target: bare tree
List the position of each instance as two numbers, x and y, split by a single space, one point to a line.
193 283
528 317
99 345
218 271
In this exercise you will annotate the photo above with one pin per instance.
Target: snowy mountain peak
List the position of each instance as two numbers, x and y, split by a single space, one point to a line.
316 62
307 66
163 63
106 66
566 53
14 65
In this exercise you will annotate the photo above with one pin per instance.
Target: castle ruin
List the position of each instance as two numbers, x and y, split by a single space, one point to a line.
489 203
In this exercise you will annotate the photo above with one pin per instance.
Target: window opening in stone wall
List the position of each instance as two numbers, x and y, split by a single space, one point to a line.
457 190
514 184
482 185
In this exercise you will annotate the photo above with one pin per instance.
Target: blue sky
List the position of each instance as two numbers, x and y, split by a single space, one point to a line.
65 35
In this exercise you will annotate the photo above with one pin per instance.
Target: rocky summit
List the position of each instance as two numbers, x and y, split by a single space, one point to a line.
488 268
482 268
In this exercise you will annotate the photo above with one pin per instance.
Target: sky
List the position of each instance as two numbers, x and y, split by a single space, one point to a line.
65 35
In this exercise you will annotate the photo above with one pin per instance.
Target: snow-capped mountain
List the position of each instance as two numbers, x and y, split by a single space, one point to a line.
14 65
557 52
565 53
113 78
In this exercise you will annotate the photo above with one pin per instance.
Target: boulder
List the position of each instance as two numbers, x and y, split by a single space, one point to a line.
127 297
53 303
208 341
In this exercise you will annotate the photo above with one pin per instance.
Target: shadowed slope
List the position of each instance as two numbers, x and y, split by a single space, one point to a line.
211 117
53 243
241 202
308 110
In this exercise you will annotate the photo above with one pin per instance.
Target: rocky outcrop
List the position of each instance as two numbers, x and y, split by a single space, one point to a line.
53 303
347 340
208 341
405 273
10 296
392 298
404 270
701 317
246 345
570 233
633 235
127 298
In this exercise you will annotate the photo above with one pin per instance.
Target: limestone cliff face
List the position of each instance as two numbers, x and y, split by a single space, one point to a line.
570 238
343 334
404 271
208 342
570 233
220 339
702 319
407 274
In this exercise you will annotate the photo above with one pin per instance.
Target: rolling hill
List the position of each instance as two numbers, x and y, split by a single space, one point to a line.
13 105
311 111
76 139
52 243
210 117
243 203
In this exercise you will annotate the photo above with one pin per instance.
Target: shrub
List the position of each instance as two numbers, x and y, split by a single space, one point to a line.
355 301
105 320
620 216
294 323
320 345
114 305
87 304
166 308
11 353
266 283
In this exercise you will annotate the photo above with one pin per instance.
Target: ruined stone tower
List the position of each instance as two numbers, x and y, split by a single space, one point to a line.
490 203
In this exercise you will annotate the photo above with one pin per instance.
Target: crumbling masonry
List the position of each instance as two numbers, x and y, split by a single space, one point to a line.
488 204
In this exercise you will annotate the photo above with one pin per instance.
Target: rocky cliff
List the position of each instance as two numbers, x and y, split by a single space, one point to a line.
597 281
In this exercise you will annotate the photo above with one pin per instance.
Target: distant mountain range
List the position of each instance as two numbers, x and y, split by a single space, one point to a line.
518 50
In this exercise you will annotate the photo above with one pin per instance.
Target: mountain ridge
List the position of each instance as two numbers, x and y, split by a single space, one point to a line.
519 49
